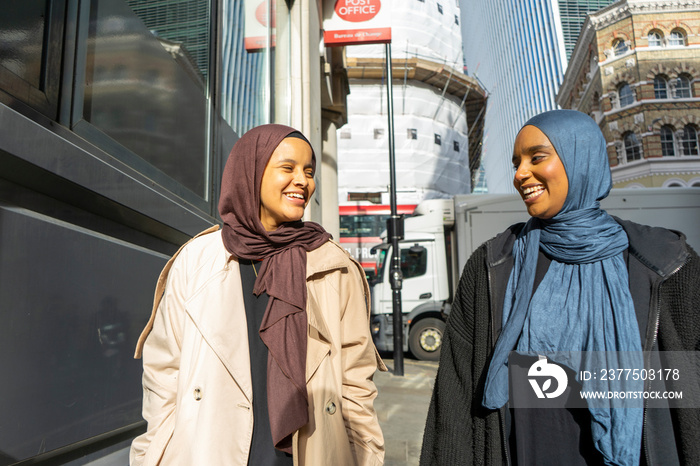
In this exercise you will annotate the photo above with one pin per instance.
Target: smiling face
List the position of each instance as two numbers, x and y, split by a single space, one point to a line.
287 183
540 177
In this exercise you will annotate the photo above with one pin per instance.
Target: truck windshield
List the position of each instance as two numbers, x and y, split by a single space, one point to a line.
413 263
381 261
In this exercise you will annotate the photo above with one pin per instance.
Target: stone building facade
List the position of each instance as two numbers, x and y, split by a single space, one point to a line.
636 71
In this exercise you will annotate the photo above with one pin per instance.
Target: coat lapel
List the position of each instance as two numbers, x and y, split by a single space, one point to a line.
216 310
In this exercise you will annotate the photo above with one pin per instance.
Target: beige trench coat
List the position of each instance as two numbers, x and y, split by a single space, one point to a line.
197 384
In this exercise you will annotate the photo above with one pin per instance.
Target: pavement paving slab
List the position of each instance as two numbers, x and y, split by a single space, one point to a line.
402 406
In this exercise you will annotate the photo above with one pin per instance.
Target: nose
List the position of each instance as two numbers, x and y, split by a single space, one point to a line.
522 173
300 178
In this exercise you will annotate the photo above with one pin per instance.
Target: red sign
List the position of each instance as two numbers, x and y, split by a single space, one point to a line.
261 14
347 22
257 35
357 11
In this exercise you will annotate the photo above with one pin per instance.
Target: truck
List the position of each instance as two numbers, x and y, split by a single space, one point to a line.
441 235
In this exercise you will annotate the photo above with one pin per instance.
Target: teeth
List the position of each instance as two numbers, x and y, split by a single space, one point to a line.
532 191
298 196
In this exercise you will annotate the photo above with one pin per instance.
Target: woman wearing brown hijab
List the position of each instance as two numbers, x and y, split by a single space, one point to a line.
258 350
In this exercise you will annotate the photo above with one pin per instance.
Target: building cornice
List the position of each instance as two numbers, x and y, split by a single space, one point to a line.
620 10
664 166
577 60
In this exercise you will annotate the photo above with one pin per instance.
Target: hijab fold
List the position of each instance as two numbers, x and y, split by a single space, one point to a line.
282 275
583 303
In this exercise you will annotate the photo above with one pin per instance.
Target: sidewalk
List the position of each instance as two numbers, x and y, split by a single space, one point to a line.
402 406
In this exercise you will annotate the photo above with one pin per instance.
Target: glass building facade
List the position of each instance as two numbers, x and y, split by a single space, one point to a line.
518 50
572 14
116 118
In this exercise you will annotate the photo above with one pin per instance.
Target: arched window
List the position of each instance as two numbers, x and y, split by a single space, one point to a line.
689 141
682 87
668 148
633 149
595 104
676 38
660 87
620 47
626 95
654 38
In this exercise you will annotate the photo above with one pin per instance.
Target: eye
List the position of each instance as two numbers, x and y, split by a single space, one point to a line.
310 173
537 158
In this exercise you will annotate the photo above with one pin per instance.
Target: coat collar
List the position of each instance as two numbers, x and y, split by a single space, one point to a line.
324 259
661 250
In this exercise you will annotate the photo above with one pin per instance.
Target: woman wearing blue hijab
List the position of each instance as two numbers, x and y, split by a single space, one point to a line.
572 279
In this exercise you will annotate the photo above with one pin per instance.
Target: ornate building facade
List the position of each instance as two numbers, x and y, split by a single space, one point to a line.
636 71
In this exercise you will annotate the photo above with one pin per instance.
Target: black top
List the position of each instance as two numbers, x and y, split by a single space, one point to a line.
547 436
460 431
262 451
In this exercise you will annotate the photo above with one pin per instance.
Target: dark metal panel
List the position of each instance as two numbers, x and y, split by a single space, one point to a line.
73 304
62 153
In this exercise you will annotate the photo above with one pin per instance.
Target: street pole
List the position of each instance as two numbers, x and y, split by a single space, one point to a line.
394 228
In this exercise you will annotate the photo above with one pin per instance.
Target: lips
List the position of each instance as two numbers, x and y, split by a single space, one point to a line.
531 192
295 197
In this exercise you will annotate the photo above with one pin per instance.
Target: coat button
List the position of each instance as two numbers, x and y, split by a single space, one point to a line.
330 407
197 393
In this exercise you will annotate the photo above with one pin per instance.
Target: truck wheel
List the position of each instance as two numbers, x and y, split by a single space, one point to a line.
425 339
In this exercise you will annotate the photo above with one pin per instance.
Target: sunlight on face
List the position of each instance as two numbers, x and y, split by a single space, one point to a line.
540 177
287 183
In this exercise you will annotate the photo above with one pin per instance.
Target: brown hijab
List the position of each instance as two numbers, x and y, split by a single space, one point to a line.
282 275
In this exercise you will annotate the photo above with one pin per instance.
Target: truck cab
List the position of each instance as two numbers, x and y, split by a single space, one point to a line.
426 282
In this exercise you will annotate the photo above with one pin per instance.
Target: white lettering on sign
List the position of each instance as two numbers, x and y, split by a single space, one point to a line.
357 11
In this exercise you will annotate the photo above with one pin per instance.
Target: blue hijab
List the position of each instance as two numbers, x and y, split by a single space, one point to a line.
583 302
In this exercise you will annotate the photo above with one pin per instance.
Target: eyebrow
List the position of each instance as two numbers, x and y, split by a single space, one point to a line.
533 149
537 148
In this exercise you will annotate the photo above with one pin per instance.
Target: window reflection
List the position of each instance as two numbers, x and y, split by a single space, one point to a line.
146 81
247 63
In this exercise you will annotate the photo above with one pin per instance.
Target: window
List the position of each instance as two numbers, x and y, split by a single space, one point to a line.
30 54
438 139
346 134
654 39
626 95
412 133
135 95
682 87
439 8
620 47
660 88
455 146
457 20
633 149
676 38
667 146
414 262
595 104
689 141
378 133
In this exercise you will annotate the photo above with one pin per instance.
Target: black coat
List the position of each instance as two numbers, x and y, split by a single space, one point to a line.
665 287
